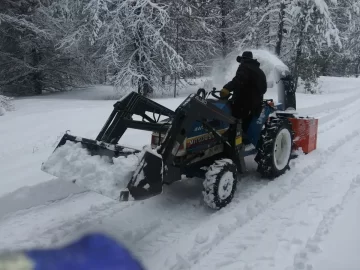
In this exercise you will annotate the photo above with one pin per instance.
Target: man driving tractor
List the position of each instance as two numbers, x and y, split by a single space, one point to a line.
248 87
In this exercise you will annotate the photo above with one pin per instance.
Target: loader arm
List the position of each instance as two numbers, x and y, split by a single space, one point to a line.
118 122
121 117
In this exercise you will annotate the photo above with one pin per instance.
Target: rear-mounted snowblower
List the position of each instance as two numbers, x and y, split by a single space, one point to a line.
199 139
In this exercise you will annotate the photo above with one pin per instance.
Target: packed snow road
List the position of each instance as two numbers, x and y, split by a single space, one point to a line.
281 224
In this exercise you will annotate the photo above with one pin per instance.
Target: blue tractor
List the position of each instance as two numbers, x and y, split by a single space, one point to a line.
210 153
199 139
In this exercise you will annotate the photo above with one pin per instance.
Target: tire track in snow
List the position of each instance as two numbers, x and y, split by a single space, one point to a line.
344 114
46 193
263 201
56 223
312 247
271 240
336 109
182 218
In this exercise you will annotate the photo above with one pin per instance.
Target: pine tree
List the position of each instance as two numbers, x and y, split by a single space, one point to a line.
130 37
30 63
312 29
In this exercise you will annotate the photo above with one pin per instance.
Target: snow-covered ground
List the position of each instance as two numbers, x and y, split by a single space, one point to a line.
305 219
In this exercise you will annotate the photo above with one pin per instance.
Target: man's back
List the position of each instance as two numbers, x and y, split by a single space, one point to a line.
249 92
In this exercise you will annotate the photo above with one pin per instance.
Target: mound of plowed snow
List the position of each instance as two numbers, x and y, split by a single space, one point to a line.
73 162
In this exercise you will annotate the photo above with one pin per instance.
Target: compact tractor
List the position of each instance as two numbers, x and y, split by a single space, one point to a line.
201 139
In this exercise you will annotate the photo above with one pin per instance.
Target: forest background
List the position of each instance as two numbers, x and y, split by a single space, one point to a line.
157 45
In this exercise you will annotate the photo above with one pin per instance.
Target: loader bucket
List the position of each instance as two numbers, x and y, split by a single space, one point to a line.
100 167
147 180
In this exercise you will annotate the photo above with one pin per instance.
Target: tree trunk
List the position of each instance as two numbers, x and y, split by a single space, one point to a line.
36 76
223 26
256 36
177 51
280 33
357 67
143 83
268 25
298 58
299 50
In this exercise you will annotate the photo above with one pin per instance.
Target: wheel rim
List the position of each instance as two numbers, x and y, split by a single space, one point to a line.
282 149
226 185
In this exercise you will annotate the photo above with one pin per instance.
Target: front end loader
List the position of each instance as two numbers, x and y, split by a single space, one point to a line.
199 139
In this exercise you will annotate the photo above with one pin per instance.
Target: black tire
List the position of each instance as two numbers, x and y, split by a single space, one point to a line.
268 165
220 184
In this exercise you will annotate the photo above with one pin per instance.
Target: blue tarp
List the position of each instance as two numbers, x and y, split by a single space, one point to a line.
94 251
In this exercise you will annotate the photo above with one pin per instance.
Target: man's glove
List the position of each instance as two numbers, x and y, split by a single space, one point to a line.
224 93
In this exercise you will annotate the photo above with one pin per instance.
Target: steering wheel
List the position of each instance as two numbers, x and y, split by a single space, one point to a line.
214 91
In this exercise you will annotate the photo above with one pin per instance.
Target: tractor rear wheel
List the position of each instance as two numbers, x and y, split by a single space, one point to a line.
275 147
220 184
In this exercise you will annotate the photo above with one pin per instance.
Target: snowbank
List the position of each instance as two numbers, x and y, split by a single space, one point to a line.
99 174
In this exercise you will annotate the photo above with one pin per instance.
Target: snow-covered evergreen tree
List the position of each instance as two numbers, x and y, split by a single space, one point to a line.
145 45
313 29
30 63
130 39
349 21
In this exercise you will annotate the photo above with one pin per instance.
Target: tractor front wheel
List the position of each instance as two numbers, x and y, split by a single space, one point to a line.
220 184
275 147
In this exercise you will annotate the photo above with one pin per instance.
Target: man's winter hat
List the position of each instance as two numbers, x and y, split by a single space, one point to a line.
245 55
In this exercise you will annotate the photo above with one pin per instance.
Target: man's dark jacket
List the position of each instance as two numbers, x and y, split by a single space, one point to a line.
248 87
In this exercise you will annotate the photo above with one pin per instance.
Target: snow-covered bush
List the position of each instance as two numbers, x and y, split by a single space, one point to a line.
6 104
